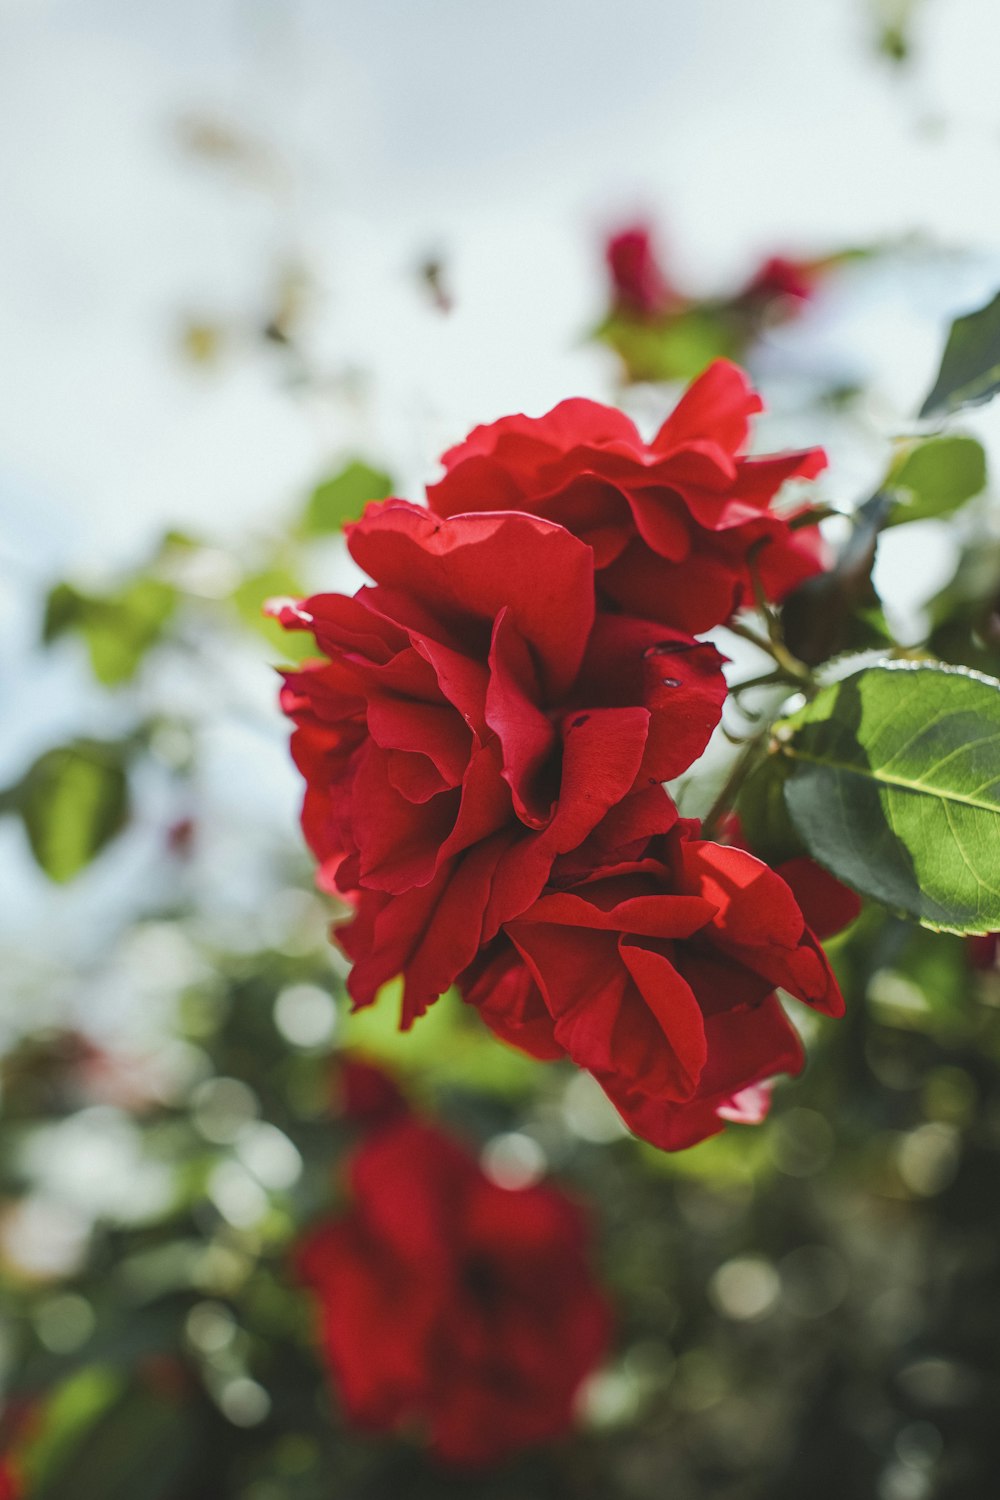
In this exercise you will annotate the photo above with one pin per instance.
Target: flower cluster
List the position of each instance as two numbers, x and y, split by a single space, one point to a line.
448 1305
487 732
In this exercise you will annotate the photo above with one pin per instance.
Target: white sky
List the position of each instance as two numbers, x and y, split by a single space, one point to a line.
505 134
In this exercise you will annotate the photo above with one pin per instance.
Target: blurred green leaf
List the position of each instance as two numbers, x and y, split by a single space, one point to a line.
449 1045
926 985
676 348
895 788
72 802
838 610
933 478
970 365
144 1442
343 497
64 1417
118 629
250 596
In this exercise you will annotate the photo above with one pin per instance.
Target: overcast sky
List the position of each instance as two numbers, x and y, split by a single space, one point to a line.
505 135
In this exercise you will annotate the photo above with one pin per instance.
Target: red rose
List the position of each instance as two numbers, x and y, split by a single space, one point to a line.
452 1305
10 1489
474 720
826 903
982 951
778 277
639 285
672 524
656 971
366 1094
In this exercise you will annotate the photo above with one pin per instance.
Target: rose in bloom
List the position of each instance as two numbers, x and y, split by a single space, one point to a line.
452 1306
677 526
639 285
473 720
655 970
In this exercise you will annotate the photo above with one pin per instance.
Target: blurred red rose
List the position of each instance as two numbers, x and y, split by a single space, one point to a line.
474 721
451 1306
982 951
656 971
10 1489
366 1094
639 285
779 278
672 524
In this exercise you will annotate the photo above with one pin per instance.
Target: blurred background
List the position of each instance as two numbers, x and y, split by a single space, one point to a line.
262 260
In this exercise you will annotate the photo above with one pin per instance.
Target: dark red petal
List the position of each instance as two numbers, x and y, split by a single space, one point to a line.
470 567
527 736
602 753
827 905
718 404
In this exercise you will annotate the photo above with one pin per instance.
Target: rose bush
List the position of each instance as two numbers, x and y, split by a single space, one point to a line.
474 718
449 1306
678 527
655 969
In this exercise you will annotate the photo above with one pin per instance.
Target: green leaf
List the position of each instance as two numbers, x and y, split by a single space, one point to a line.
72 802
250 596
895 788
118 629
970 365
343 497
935 477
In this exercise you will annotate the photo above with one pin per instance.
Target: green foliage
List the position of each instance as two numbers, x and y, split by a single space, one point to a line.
934 477
72 801
895 788
118 628
674 348
145 1441
343 497
68 1414
447 1046
767 828
970 366
250 596
838 610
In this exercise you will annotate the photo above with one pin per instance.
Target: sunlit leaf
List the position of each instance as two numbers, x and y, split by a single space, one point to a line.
895 788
